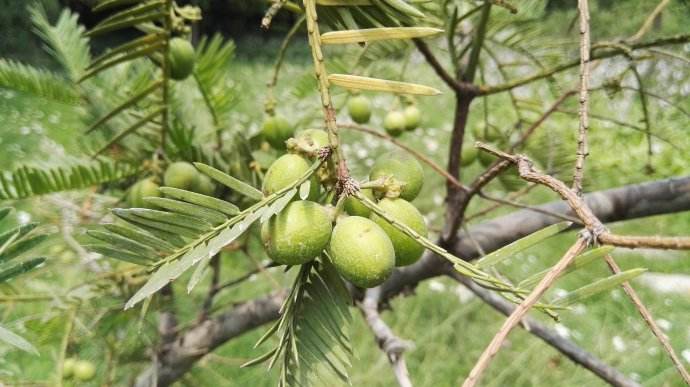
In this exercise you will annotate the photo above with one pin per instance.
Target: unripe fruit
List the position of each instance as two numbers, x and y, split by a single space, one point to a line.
486 158
404 169
68 367
361 251
297 234
182 175
490 134
407 250
511 180
204 185
181 58
359 108
469 155
140 190
276 130
354 207
394 123
285 171
412 117
312 139
84 370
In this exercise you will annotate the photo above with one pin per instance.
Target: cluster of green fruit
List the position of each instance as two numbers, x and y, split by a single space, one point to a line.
81 370
180 175
395 123
509 179
363 246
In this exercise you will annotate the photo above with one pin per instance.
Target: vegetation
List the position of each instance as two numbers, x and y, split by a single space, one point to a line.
181 216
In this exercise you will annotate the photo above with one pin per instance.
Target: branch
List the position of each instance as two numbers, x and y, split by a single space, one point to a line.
610 52
647 25
454 84
649 320
521 310
582 148
629 202
583 212
389 343
565 346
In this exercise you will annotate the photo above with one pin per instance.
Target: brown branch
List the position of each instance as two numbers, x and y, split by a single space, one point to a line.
629 202
454 84
568 348
521 310
271 13
649 320
389 343
583 212
582 148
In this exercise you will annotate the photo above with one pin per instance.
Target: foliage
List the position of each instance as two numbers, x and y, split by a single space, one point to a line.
143 121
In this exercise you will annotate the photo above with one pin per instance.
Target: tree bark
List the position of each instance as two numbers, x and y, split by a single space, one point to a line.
624 203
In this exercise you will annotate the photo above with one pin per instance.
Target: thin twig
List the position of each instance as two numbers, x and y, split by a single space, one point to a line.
271 13
582 148
649 21
578 355
649 320
521 310
528 207
583 212
212 288
493 207
389 343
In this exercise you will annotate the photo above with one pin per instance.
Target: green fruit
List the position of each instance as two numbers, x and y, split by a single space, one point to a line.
276 131
284 172
361 251
404 169
84 370
312 139
511 180
469 155
354 207
297 234
68 367
490 134
407 250
140 190
359 108
182 175
394 123
204 185
412 117
181 58
486 158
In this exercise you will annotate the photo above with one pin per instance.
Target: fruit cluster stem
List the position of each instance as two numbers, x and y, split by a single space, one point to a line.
342 172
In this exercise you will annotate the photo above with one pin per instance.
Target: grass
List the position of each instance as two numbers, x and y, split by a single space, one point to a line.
448 328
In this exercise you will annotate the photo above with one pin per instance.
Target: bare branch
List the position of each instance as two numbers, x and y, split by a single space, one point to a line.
564 346
521 310
583 212
389 343
649 320
582 148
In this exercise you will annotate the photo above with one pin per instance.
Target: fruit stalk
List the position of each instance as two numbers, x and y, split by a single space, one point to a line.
165 68
342 172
